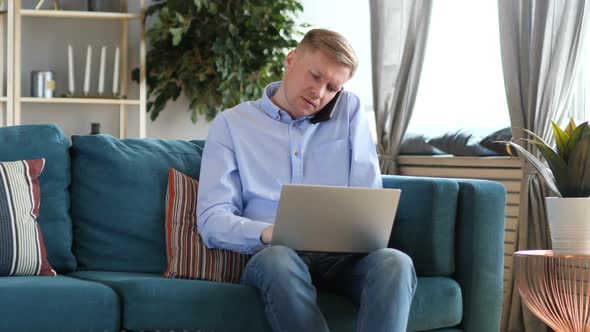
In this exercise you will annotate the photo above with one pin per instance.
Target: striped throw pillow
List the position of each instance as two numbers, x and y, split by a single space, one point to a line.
22 250
188 257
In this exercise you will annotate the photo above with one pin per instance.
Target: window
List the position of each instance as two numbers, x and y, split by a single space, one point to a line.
462 84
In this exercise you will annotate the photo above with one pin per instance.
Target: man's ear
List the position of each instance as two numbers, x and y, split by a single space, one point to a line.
290 57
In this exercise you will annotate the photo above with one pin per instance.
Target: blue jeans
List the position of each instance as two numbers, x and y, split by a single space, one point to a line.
382 283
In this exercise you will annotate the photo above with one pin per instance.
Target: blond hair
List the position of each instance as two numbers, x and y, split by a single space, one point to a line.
333 43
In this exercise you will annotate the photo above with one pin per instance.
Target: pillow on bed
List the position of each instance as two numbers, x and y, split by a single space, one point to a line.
460 143
489 142
415 144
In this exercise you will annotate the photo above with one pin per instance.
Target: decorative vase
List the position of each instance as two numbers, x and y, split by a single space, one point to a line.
569 224
42 83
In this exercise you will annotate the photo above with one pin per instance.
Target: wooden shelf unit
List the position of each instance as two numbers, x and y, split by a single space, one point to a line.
15 99
4 97
92 101
79 14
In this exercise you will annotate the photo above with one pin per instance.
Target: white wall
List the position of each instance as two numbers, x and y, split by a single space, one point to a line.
45 42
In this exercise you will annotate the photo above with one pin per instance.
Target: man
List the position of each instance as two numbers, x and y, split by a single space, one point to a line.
256 147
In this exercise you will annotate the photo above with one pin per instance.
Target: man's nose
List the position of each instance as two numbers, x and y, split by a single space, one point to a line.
318 91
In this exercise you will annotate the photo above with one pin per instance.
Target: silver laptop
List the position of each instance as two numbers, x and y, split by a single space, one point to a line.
335 219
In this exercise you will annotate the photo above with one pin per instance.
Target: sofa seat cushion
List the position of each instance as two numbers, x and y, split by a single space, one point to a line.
151 302
118 199
437 305
48 142
57 303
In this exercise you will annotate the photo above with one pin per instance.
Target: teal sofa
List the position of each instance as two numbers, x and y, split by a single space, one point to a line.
102 217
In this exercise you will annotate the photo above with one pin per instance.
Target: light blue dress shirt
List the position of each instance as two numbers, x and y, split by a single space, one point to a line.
254 148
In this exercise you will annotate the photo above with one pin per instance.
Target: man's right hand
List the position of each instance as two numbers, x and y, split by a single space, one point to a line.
266 235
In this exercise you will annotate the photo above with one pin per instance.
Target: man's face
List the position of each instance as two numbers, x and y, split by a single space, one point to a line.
311 80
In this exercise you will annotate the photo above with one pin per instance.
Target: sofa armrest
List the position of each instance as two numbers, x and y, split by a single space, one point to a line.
480 252
455 228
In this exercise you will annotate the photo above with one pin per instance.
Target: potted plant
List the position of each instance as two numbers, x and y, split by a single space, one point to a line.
217 53
568 177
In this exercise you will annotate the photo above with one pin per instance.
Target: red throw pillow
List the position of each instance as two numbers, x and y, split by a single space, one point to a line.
188 257
22 250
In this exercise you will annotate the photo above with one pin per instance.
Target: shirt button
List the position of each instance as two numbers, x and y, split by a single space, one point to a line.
296 153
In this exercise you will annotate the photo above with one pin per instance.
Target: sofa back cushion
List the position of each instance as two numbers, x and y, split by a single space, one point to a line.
425 222
49 142
118 199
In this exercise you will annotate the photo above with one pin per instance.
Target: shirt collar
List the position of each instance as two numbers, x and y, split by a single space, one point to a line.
273 110
267 105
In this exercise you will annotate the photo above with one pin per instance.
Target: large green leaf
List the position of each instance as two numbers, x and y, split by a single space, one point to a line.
586 130
579 167
571 126
538 165
575 136
561 138
535 136
557 165
176 35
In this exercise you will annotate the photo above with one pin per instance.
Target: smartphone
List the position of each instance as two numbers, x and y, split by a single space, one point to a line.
326 113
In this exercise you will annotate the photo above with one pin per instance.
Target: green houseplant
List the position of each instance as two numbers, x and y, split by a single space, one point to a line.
218 53
568 176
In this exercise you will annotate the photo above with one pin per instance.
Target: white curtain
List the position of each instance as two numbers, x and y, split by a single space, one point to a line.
541 43
399 30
